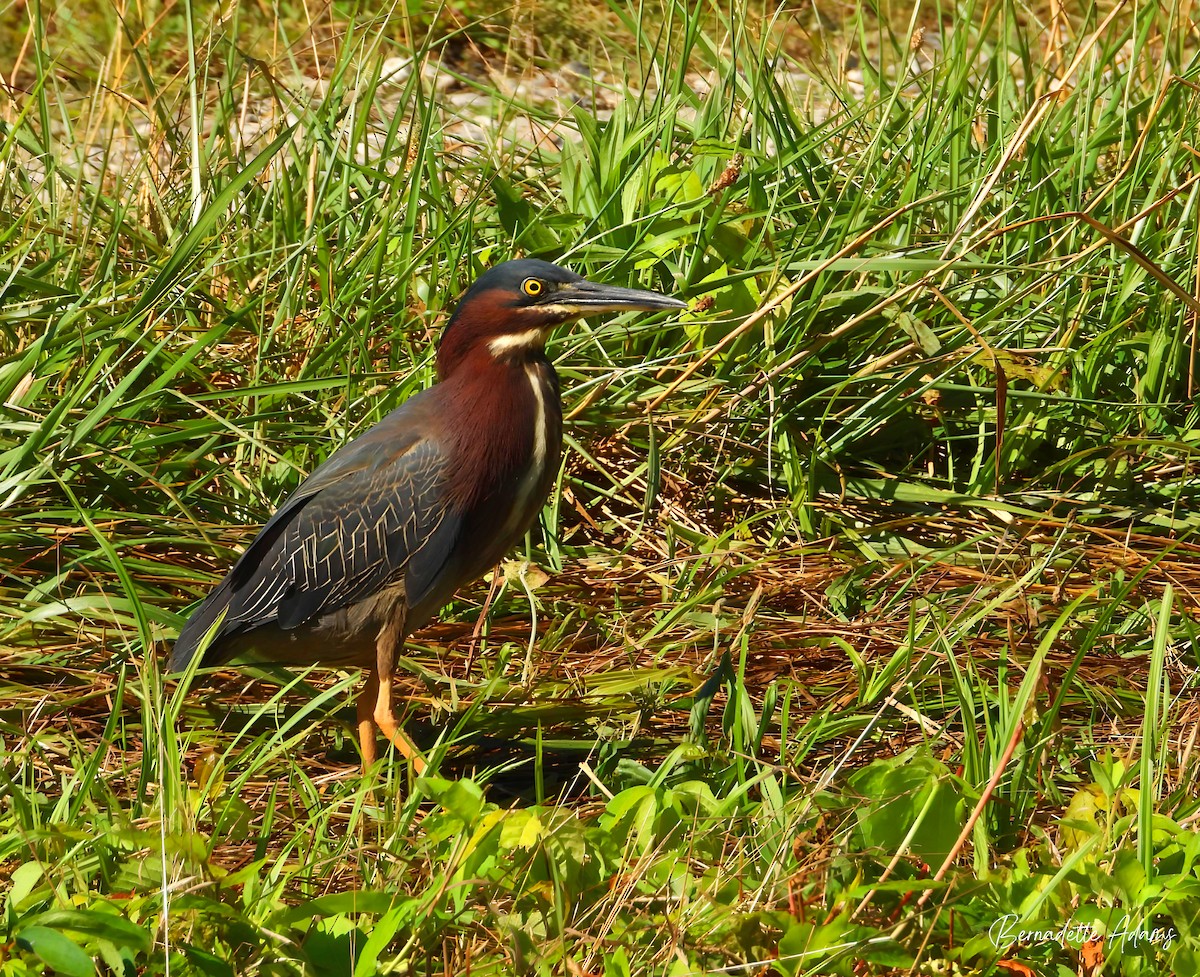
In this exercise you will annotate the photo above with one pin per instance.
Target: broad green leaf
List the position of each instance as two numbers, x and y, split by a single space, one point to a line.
57 951
382 933
337 904
94 922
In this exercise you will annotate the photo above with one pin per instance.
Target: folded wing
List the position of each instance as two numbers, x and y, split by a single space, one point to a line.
372 515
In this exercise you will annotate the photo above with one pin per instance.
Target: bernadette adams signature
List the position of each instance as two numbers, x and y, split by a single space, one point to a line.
1008 930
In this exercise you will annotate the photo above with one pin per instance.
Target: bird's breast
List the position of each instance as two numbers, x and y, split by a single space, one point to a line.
506 433
545 421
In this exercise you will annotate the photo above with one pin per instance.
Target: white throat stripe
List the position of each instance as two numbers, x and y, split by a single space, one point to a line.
529 339
539 430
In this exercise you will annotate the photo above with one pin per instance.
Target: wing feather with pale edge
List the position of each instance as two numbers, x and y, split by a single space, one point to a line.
373 513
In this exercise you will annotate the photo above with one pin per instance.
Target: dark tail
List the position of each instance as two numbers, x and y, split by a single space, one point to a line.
214 609
248 596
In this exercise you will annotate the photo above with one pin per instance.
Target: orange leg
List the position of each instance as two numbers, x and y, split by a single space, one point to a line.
385 719
374 705
365 705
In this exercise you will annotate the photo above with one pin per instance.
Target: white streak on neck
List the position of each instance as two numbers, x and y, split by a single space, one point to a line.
531 478
515 341
539 425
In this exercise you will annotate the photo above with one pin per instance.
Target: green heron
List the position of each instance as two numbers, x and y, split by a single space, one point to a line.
380 536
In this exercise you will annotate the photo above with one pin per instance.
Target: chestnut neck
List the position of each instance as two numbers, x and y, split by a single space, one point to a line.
482 320
493 415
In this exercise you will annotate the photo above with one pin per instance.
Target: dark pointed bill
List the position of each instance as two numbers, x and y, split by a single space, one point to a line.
590 297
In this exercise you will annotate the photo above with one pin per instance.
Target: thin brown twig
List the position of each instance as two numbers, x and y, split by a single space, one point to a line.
473 646
993 781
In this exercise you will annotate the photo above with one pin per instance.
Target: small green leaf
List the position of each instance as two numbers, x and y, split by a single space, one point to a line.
1081 819
382 933
616 964
337 904
21 883
521 829
805 943
916 330
461 798
206 962
106 925
626 800
56 951
915 799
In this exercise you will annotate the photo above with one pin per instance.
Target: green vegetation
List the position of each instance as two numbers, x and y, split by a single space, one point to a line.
867 638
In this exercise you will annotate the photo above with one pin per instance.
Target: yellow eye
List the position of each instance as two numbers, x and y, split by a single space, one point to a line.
532 286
